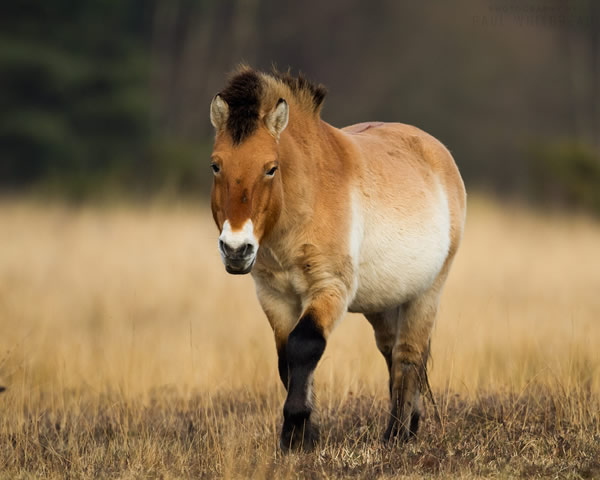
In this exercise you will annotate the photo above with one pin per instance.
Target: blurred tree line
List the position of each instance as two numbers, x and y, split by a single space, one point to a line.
78 116
112 95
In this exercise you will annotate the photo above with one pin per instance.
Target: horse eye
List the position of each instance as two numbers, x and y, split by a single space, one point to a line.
215 168
271 172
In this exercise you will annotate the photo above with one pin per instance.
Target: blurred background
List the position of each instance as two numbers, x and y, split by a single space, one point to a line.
109 98
112 293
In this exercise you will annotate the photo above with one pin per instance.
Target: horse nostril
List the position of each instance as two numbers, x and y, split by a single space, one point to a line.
224 248
248 250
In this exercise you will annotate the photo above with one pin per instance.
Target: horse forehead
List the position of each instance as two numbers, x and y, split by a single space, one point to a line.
254 150
242 178
240 164
259 143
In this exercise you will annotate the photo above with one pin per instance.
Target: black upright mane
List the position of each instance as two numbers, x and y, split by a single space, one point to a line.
300 84
244 93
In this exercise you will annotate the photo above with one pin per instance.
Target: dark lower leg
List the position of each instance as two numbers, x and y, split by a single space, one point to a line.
304 348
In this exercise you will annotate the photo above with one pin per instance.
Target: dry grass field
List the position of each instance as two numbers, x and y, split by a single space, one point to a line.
127 352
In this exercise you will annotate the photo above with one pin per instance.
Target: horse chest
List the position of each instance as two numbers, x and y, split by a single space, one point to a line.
283 280
288 283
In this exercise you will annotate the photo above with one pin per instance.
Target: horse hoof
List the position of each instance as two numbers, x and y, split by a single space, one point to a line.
298 438
400 433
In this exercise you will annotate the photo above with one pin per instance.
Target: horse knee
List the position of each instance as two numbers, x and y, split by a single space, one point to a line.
305 346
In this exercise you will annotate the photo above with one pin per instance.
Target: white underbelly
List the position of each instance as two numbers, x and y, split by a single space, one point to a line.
400 255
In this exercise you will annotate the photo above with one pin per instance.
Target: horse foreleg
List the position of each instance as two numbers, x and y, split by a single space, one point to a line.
305 346
282 314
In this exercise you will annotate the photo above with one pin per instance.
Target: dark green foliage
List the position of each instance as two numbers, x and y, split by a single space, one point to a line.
105 95
175 166
76 105
566 174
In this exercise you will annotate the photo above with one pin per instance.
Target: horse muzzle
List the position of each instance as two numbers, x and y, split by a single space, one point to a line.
238 249
237 260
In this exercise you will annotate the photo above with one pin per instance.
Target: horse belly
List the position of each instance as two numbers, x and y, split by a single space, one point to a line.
399 257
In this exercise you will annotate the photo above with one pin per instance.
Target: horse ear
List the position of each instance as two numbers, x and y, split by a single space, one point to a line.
277 120
219 111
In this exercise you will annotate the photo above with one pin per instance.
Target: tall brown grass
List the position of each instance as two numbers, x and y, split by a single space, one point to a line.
127 351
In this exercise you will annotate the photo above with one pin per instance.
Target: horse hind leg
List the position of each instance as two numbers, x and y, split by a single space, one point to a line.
408 373
386 325
407 379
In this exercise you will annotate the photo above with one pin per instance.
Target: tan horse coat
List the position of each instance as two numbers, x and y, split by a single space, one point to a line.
366 219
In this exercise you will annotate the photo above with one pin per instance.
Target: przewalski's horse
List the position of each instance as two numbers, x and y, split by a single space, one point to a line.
363 219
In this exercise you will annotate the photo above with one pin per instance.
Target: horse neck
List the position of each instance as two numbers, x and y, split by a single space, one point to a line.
304 152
